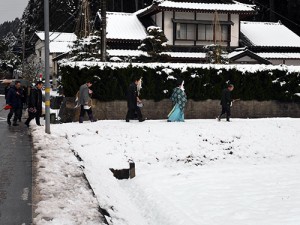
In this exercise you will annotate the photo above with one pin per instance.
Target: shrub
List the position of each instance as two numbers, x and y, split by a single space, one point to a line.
201 83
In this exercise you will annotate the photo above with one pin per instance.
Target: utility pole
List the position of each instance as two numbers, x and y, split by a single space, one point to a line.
103 30
47 74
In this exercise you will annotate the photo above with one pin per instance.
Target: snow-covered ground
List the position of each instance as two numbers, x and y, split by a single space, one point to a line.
201 172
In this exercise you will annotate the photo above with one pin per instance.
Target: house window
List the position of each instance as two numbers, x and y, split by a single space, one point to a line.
205 32
185 31
224 32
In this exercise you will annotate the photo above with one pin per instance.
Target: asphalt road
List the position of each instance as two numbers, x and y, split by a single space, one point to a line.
15 173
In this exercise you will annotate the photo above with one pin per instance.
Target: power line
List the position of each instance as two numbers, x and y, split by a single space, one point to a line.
266 7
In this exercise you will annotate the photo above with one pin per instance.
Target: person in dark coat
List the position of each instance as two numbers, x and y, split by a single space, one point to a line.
35 101
14 99
133 100
85 101
226 102
24 101
6 89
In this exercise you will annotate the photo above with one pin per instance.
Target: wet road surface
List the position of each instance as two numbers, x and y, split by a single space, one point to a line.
15 173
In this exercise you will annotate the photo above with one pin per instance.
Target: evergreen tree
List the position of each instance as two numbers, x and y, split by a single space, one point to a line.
87 49
155 44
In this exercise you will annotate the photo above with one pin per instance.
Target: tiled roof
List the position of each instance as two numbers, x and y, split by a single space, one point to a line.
267 34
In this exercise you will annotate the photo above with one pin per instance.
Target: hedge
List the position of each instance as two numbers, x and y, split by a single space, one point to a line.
200 83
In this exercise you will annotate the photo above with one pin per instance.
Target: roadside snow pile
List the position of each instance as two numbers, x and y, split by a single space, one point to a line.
197 172
65 197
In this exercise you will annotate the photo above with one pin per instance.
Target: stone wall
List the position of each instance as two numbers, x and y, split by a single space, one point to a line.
208 109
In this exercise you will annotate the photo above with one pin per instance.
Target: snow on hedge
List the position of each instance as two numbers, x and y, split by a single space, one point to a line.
183 66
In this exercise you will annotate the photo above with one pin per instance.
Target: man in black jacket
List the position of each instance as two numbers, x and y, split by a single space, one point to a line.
132 100
226 102
14 99
35 104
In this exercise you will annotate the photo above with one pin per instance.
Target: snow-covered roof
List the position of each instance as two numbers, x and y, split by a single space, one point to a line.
59 42
135 53
57 36
269 34
125 52
124 26
198 55
233 54
235 7
245 52
279 55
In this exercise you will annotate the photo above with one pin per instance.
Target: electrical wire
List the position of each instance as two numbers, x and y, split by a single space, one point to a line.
266 7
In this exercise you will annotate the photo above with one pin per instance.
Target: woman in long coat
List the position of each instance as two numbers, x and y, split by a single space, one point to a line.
179 100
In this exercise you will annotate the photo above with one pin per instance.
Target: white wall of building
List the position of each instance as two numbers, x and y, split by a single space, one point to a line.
235 30
168 27
40 55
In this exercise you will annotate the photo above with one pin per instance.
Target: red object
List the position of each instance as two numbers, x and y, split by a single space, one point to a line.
7 107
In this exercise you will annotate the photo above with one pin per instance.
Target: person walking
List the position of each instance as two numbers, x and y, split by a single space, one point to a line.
14 100
24 101
35 104
179 100
133 100
226 102
85 101
6 89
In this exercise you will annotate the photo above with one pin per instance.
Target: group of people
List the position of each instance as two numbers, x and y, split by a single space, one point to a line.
179 100
134 103
15 98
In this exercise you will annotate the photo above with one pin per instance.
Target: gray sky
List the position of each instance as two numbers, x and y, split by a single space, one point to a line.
10 9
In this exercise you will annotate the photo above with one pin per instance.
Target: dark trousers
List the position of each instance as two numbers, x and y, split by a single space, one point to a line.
225 109
82 113
31 116
131 113
16 112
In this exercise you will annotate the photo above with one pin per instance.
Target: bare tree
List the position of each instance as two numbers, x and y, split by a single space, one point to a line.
32 69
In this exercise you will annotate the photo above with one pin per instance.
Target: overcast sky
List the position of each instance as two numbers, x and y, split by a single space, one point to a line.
10 9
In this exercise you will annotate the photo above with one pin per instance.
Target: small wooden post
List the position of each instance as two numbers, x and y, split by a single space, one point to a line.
131 169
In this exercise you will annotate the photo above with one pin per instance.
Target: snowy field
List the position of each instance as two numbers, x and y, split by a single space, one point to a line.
201 172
